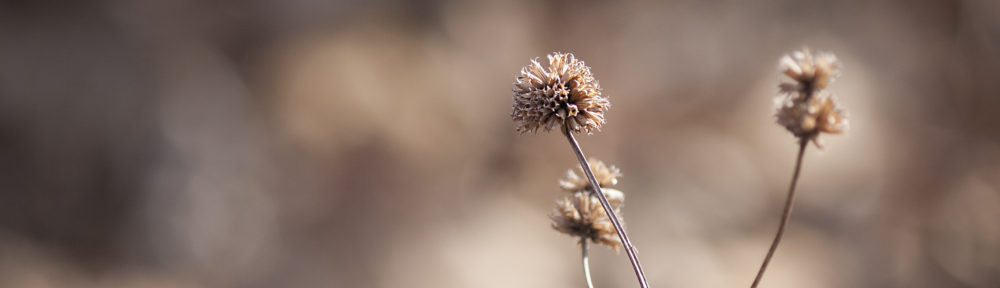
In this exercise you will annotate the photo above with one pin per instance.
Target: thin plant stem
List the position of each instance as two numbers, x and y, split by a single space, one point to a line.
629 249
586 262
789 201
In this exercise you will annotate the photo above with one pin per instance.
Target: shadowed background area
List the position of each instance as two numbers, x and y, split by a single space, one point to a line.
369 144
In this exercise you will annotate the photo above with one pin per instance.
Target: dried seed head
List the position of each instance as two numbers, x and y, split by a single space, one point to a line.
606 176
581 215
808 117
810 72
804 107
563 93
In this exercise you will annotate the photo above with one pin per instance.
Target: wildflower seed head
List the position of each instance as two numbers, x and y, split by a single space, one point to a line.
581 215
808 71
560 92
804 106
606 176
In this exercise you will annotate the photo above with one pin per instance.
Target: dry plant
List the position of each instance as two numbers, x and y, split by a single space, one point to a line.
806 109
581 215
564 95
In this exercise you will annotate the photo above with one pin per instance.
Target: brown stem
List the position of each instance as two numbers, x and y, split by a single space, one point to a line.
586 262
789 201
629 249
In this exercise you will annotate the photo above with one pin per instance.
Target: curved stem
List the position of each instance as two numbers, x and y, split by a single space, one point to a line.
629 249
789 201
586 262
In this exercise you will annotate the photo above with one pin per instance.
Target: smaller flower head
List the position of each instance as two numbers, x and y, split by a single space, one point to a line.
606 176
804 107
563 92
581 215
808 72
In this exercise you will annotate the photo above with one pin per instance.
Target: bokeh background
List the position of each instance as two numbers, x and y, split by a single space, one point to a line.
368 143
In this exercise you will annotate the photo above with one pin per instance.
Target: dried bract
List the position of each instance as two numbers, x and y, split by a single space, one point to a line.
561 93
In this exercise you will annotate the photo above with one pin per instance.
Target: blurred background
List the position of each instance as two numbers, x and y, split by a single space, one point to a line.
368 143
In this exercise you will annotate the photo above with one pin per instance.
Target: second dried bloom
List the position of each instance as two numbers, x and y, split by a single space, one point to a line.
804 107
582 215
810 72
606 175
560 92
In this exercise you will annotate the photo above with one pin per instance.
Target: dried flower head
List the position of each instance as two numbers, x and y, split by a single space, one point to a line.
804 107
606 176
809 72
563 93
581 215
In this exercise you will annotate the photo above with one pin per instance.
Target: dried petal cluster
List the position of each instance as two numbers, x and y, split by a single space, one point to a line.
606 176
804 106
581 215
561 93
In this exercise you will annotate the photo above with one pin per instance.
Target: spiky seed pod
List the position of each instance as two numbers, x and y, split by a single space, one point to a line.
606 175
804 107
581 215
563 92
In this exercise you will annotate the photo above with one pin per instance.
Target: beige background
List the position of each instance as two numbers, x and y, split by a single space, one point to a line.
368 143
